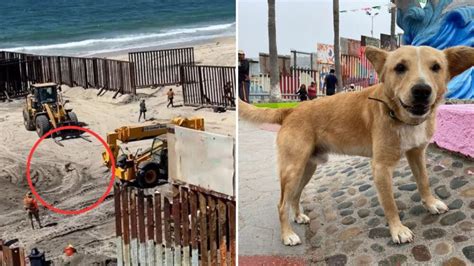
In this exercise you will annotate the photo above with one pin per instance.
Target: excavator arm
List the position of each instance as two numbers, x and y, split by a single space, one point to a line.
142 132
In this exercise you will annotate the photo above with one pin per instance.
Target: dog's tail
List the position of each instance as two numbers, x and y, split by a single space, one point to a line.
262 115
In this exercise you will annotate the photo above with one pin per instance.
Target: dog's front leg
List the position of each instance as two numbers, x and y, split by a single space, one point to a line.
416 159
382 172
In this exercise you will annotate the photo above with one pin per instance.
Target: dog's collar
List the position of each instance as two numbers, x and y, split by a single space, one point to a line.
392 114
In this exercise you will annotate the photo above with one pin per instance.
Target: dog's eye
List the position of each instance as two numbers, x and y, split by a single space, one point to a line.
436 67
400 68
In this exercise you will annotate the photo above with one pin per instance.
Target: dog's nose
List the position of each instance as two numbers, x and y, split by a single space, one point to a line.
421 92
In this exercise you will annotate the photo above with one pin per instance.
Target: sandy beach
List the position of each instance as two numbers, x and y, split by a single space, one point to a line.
73 177
220 51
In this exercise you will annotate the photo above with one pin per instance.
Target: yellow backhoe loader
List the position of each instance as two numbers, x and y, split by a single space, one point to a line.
44 109
147 168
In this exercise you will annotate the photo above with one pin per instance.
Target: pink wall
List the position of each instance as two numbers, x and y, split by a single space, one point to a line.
455 128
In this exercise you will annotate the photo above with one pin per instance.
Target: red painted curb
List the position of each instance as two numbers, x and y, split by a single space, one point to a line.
270 127
270 260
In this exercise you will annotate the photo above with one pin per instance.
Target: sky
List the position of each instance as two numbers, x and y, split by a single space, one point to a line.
301 24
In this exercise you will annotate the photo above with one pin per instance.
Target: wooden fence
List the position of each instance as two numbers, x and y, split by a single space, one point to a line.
19 69
193 227
206 85
160 67
11 256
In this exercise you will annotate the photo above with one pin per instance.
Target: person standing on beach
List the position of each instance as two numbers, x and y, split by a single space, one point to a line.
142 110
32 209
228 97
244 80
330 82
170 94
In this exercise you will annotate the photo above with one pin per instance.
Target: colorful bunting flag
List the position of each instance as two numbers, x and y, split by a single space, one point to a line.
369 8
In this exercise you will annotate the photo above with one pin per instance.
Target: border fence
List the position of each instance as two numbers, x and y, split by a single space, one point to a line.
358 71
192 226
15 74
289 84
204 86
160 67
19 69
208 86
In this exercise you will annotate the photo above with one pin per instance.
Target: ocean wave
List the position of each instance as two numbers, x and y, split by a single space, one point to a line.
130 40
148 45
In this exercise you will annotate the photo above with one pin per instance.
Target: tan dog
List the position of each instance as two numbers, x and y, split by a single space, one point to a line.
385 122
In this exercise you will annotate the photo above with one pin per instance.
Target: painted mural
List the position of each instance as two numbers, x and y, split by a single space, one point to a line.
325 53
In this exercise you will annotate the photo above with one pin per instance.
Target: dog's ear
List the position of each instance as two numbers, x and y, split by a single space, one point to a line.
377 57
460 58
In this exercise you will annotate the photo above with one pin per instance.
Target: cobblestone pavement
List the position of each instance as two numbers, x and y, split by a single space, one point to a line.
347 225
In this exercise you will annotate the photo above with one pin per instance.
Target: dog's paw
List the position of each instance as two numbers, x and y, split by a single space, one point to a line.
436 206
291 239
302 219
401 234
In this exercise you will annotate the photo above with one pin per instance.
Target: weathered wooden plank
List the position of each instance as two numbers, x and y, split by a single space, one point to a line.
185 215
126 229
118 224
133 229
150 233
167 231
212 230
222 234
203 229
177 226
193 203
158 229
232 230
141 228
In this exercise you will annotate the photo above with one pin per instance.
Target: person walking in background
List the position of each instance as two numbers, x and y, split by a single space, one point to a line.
142 110
330 82
302 93
228 97
312 94
244 80
32 209
170 94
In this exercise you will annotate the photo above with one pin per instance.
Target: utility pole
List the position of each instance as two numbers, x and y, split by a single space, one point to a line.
372 15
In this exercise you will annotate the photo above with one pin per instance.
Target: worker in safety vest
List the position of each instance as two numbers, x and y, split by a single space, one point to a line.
69 250
31 207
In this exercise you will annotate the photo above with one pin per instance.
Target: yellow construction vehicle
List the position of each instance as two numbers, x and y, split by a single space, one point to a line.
44 109
146 168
